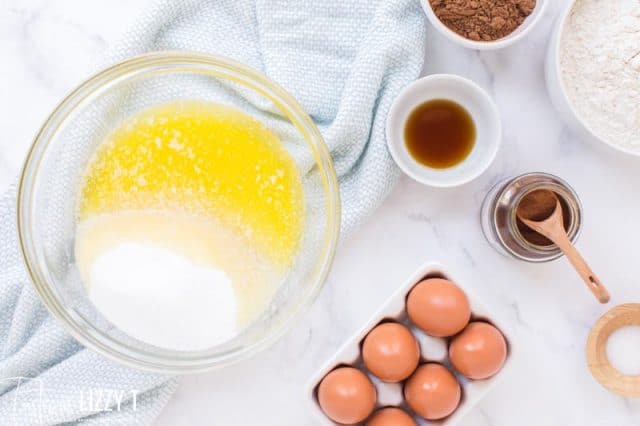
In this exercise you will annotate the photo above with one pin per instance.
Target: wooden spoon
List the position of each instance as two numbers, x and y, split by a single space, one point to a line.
541 211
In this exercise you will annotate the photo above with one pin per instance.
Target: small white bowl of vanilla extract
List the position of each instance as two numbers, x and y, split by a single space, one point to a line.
443 130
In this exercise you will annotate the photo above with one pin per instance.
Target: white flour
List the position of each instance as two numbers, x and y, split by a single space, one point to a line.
600 60
163 298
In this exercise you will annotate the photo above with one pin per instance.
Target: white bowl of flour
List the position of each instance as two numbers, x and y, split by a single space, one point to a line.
593 71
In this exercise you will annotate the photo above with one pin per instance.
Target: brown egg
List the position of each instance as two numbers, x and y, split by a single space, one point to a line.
391 352
391 416
439 307
479 351
346 395
432 392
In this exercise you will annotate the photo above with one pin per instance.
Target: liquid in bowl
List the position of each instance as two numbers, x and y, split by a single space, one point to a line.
190 214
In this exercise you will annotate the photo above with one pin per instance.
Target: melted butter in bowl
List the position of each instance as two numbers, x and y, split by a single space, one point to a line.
201 181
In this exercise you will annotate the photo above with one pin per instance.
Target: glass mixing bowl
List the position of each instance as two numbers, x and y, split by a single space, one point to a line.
53 171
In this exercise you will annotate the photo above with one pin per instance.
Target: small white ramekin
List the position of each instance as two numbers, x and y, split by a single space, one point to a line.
558 93
469 95
519 33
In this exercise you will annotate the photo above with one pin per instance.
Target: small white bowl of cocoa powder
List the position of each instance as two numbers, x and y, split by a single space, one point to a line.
484 24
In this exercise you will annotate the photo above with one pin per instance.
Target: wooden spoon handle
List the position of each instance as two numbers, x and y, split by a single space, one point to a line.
582 267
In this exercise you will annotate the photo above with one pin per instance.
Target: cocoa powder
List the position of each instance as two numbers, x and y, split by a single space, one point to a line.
482 20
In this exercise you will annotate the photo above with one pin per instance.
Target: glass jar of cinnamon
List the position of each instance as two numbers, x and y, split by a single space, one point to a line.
508 235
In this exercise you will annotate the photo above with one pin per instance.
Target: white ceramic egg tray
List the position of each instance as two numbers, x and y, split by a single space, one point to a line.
433 349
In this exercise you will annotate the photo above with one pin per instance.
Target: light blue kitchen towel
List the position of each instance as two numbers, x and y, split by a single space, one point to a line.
344 60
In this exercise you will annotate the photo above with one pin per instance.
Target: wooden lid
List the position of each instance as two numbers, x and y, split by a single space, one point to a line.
601 368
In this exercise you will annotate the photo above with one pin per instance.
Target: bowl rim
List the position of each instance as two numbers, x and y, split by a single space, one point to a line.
395 146
240 73
556 46
500 43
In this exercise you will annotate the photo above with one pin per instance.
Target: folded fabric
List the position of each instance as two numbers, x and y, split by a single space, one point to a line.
344 61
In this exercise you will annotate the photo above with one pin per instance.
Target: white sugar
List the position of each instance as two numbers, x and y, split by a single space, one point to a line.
163 298
623 350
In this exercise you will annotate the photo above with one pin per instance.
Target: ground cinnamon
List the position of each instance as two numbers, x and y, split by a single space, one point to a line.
482 20
538 205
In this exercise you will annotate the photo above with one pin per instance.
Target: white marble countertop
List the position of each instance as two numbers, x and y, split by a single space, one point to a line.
45 49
